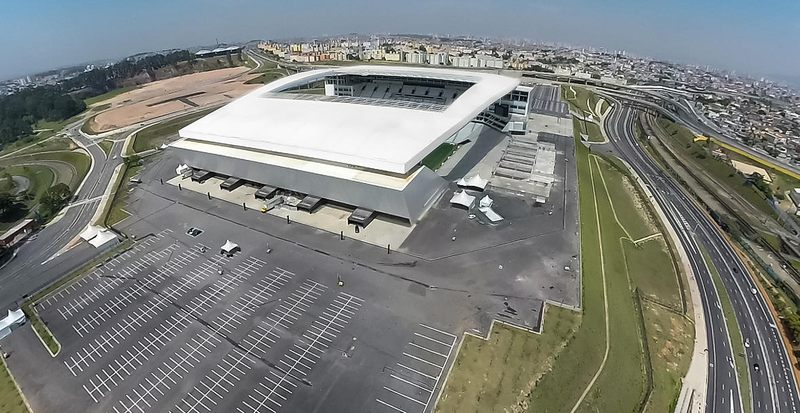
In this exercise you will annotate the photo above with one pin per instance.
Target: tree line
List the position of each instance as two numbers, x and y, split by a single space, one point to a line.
21 110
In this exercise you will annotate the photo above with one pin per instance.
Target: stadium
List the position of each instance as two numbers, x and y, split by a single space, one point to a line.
352 136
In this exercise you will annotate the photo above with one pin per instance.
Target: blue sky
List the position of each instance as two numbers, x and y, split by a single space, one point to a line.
760 38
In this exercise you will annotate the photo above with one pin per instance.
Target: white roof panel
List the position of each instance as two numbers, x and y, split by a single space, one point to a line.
386 138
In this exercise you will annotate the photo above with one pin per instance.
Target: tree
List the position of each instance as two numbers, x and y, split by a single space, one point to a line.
55 198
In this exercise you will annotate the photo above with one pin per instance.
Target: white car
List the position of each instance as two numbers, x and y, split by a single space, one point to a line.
753 290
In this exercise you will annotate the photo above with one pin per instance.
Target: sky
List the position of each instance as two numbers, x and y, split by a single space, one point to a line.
758 38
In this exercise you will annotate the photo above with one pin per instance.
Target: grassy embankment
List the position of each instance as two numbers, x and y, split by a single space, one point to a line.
10 399
106 145
154 136
516 370
585 101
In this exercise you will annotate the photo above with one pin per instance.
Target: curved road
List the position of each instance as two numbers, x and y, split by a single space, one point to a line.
773 385
30 270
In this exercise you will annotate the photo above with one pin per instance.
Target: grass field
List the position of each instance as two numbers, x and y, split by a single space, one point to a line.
108 95
117 211
477 385
53 144
737 345
10 399
582 99
266 76
106 145
499 375
593 132
435 159
154 136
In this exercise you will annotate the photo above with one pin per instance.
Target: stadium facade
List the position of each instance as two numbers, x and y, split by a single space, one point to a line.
353 136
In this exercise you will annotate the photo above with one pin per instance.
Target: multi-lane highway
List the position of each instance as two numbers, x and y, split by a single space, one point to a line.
34 265
772 382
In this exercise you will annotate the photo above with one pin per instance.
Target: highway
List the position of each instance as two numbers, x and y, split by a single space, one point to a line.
32 269
773 386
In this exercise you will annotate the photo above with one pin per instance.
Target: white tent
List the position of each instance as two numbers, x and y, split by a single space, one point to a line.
474 181
181 169
229 247
11 321
103 236
486 202
489 212
462 198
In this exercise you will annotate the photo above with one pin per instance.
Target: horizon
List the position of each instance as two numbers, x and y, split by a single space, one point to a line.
739 37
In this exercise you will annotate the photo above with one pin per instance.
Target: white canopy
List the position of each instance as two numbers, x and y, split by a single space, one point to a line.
13 319
486 202
489 212
229 246
462 198
474 181
181 169
103 236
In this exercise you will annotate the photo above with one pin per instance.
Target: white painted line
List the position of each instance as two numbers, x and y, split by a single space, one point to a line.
390 406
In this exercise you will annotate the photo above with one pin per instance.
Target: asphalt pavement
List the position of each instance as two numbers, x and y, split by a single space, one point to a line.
34 265
773 387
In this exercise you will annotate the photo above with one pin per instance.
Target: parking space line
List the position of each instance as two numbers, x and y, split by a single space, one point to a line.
54 298
207 340
213 389
421 366
299 362
390 406
128 325
146 348
143 284
107 285
431 339
403 395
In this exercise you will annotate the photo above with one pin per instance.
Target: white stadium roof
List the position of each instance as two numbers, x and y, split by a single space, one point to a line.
388 138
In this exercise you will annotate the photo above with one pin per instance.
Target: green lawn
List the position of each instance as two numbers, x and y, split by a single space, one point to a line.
267 76
651 266
154 136
621 385
79 160
435 159
735 334
54 144
502 375
580 98
591 129
108 95
106 145
117 211
10 399
480 384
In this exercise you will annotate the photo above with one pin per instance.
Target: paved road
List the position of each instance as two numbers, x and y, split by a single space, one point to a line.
26 273
772 386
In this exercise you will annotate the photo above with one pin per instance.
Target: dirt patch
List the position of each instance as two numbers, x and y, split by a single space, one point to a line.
163 97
